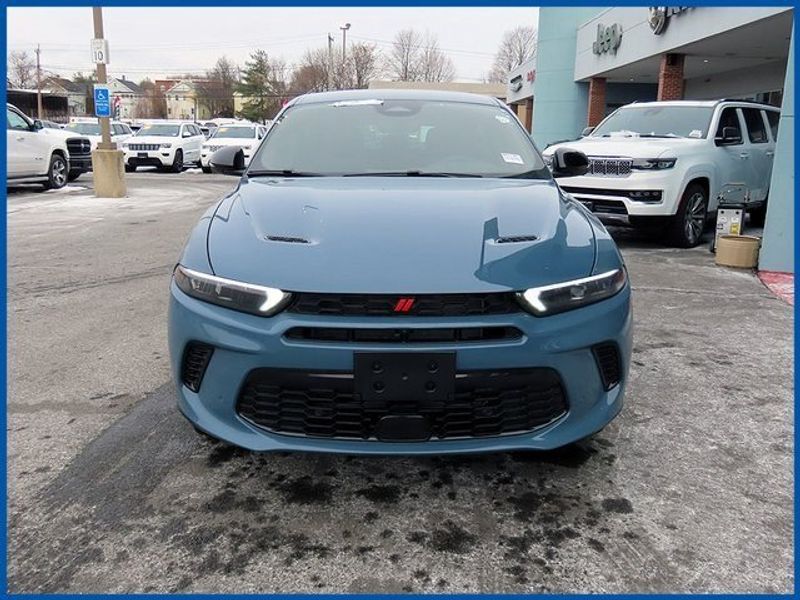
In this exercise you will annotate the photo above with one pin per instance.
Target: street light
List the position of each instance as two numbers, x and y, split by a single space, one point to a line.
344 29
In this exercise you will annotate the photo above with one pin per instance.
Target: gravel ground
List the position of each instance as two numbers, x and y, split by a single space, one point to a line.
110 490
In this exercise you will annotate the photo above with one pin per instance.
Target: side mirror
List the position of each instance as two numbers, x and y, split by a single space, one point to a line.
569 163
730 136
37 124
587 131
228 161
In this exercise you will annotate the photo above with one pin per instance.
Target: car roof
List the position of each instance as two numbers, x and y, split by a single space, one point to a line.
394 94
706 103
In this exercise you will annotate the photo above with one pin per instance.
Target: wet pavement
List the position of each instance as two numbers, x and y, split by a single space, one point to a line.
110 490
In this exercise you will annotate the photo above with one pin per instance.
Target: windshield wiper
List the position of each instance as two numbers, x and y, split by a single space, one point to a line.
411 174
283 173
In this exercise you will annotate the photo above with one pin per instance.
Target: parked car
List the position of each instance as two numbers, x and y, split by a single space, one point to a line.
409 279
246 136
91 129
168 144
36 154
665 163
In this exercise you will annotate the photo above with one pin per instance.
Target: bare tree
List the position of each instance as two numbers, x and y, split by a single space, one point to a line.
417 57
311 75
402 57
517 46
434 65
21 68
216 92
364 59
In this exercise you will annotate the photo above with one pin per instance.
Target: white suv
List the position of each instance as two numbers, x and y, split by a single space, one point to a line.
170 144
248 136
38 155
90 128
668 163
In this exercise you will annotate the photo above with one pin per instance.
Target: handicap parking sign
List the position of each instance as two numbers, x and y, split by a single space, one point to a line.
102 101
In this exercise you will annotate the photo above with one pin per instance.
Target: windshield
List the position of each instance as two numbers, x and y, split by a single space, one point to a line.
657 121
235 132
160 129
85 128
399 137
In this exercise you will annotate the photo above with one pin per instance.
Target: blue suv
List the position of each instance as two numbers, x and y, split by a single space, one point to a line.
397 272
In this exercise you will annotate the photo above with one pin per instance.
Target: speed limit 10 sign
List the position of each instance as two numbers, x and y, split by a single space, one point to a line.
100 51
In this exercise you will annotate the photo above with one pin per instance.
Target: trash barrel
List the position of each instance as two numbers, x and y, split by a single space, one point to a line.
738 251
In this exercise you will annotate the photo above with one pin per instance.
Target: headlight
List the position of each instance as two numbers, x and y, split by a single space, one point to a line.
559 297
245 297
205 147
166 145
125 145
653 164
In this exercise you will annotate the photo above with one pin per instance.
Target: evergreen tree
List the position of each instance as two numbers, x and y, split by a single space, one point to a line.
263 87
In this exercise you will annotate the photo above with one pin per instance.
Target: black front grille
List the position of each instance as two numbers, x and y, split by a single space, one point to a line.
79 147
608 361
423 305
486 403
403 336
144 147
196 357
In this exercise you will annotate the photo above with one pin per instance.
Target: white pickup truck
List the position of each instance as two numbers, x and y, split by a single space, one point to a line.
666 163
36 154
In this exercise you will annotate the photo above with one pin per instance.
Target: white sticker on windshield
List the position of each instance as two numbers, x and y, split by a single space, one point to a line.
695 133
502 118
515 159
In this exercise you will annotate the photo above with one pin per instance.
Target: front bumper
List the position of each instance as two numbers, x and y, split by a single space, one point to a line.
162 157
244 343
205 157
81 164
617 197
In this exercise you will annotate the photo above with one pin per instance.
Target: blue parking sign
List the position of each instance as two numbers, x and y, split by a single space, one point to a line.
102 101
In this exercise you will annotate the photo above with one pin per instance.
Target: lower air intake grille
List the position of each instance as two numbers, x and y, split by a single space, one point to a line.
486 404
608 361
196 357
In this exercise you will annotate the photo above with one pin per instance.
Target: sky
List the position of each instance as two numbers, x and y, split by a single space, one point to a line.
158 42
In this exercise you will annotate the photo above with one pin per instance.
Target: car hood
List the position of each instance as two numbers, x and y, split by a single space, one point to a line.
243 142
152 139
628 146
64 134
399 235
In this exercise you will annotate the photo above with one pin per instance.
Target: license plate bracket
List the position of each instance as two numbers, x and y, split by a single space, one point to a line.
142 154
424 380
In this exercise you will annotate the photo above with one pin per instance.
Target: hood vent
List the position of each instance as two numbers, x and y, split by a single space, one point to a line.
287 239
516 239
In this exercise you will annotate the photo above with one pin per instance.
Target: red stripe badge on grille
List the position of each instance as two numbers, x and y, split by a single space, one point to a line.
404 305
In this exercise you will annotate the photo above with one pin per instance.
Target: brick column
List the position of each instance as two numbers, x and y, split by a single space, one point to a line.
670 77
525 113
597 101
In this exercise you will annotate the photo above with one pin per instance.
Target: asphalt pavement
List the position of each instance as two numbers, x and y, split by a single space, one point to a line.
110 490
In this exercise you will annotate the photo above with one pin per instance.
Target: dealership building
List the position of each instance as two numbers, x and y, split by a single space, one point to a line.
591 61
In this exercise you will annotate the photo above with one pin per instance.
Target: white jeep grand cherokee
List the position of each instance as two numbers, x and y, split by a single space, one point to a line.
666 163
164 144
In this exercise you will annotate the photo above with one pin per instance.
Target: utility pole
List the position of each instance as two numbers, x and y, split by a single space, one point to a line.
102 78
39 111
107 162
344 41
330 62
